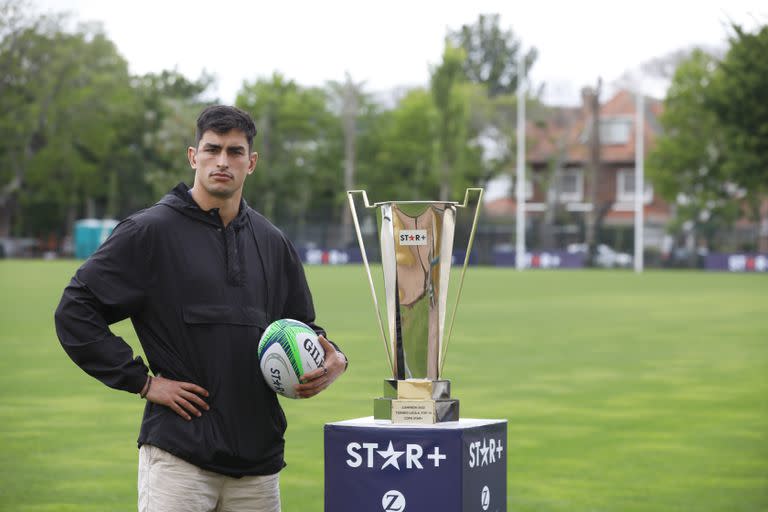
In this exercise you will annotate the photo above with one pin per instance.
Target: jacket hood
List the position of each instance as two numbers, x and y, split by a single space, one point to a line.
181 200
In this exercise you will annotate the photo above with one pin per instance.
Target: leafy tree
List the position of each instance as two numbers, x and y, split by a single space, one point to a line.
84 137
687 165
348 98
449 96
738 97
491 54
21 37
400 150
295 130
64 95
89 93
163 130
713 157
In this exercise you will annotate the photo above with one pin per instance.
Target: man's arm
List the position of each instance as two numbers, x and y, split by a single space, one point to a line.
110 287
84 333
106 289
299 305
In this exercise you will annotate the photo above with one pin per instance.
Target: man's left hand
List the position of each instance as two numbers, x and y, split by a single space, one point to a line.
317 380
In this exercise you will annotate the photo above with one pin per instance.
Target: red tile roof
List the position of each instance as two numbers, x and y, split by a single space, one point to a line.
567 128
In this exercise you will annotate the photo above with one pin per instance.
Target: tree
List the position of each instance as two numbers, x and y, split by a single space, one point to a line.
399 150
738 97
593 217
449 97
170 104
657 73
687 166
63 96
491 54
89 94
20 39
295 130
348 97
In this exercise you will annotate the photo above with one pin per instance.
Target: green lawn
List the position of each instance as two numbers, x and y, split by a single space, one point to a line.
623 392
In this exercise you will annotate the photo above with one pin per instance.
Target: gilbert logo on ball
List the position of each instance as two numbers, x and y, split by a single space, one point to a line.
287 350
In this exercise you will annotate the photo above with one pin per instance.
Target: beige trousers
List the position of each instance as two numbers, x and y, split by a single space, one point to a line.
169 484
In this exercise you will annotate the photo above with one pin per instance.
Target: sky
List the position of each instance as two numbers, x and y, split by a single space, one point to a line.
393 44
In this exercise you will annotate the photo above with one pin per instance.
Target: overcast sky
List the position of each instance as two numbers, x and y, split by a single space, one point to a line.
393 43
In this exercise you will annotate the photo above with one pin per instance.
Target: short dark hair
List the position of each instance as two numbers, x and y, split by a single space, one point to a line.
222 118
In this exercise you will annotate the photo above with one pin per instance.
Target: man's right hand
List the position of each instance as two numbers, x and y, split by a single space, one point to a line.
184 398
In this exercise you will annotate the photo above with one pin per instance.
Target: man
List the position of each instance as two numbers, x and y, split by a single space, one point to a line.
200 274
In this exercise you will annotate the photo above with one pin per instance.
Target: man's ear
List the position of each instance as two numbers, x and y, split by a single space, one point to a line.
192 157
254 158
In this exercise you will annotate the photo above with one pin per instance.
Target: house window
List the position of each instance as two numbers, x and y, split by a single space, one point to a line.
570 185
615 131
625 187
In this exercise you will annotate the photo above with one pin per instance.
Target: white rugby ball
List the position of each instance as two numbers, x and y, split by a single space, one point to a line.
287 350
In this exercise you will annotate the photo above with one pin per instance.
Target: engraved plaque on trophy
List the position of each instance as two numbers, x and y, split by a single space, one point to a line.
416 243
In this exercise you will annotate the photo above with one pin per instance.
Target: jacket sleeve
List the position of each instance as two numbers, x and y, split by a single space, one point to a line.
109 287
298 304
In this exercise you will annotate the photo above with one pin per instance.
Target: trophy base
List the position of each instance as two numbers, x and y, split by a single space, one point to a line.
420 412
416 401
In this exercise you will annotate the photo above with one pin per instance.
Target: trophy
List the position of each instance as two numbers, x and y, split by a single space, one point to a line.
416 242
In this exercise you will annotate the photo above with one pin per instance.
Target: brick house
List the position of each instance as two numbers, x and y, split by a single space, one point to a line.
558 188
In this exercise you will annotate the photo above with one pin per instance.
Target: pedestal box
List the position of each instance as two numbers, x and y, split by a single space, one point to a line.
457 466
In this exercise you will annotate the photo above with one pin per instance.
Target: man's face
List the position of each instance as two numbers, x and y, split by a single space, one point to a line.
221 163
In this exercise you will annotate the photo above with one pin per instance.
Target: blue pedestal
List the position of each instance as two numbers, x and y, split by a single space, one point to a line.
457 466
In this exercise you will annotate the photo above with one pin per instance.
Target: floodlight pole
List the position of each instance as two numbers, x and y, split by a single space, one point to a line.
520 178
639 179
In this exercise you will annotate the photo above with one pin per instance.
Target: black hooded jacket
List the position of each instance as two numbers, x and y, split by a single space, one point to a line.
199 296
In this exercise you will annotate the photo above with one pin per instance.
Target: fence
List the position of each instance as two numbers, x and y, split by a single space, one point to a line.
494 243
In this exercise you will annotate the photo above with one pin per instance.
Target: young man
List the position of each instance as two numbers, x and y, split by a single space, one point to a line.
200 274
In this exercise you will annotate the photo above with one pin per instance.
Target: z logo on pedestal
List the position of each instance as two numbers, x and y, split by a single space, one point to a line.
393 501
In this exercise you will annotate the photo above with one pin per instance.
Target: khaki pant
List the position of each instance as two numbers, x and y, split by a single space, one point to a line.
169 484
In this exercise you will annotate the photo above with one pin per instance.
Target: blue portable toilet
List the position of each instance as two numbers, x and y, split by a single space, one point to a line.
90 234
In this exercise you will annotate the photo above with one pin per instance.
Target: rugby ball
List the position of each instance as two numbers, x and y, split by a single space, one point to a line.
287 350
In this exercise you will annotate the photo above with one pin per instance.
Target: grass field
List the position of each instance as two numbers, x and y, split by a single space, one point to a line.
623 392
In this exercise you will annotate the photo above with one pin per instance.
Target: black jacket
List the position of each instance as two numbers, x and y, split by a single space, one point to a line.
199 296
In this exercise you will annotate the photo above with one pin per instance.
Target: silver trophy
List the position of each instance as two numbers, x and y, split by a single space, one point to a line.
416 242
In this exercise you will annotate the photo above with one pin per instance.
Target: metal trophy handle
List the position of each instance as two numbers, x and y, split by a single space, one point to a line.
416 241
356 221
464 267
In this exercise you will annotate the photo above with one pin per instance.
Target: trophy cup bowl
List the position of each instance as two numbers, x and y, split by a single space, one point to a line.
416 242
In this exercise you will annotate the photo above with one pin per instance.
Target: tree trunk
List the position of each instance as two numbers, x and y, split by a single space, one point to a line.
90 208
71 218
8 201
113 196
547 224
350 135
268 196
7 209
762 234
445 186
691 241
547 230
593 98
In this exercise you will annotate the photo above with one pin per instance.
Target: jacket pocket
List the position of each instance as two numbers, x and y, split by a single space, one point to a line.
224 314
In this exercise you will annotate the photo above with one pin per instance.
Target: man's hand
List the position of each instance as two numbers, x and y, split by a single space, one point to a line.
317 380
182 397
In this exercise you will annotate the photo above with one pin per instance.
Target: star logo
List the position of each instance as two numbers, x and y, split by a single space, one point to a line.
391 455
484 453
